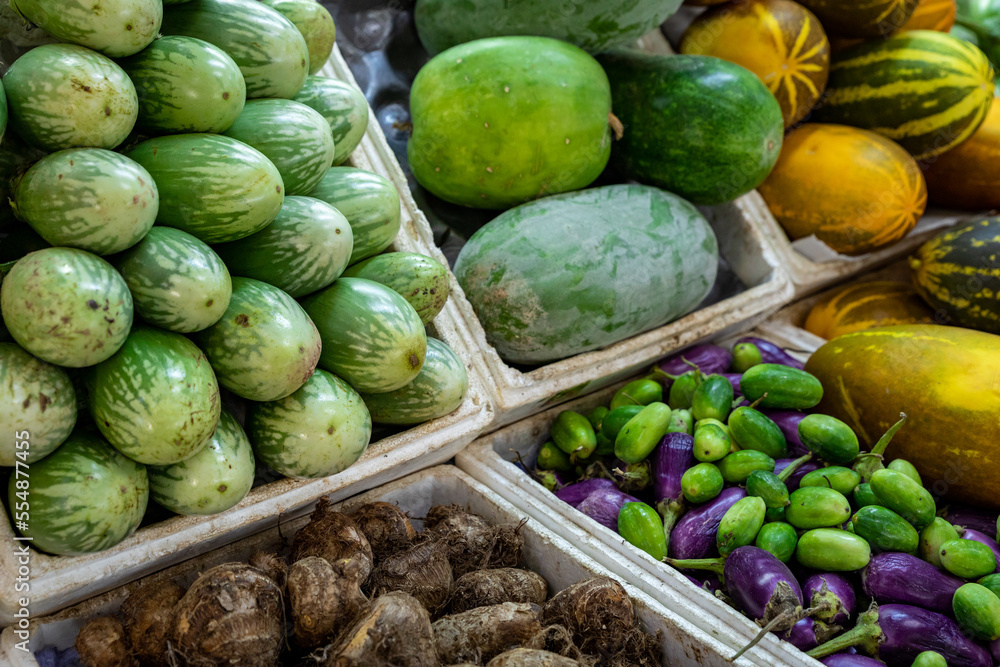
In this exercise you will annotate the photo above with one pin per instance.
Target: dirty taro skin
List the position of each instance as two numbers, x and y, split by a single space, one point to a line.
576 272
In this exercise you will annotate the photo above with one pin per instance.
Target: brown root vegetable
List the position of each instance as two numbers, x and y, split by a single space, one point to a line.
102 643
395 631
483 588
271 564
334 536
386 527
423 571
480 634
472 543
323 600
146 615
530 657
232 615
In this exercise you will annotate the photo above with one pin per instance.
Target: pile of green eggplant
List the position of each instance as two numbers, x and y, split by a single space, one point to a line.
714 464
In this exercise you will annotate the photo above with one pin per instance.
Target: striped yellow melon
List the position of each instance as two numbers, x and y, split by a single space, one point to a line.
861 18
855 190
968 176
932 15
861 306
780 41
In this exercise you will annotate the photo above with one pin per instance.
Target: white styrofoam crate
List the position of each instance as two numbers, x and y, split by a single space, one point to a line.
683 643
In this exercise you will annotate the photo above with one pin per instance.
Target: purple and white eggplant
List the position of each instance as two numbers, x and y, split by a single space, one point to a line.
807 634
833 594
708 359
694 536
792 481
851 660
604 505
771 353
734 379
975 518
576 493
671 459
902 578
788 421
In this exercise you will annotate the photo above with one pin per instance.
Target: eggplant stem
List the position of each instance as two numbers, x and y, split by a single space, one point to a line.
671 509
715 565
781 618
866 634
757 402
793 466
656 370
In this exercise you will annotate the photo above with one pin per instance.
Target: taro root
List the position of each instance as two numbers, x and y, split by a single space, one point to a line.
323 600
232 615
483 588
102 643
395 631
334 536
480 634
472 543
529 657
146 616
423 571
386 527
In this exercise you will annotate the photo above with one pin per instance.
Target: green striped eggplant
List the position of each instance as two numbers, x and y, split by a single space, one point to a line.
66 306
371 336
343 106
294 137
419 279
37 406
438 389
157 399
320 430
67 96
185 85
116 28
265 346
215 188
369 202
305 249
270 50
82 498
213 480
926 90
87 198
177 282
316 25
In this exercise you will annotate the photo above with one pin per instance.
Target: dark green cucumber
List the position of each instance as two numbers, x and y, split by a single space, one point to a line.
752 429
787 388
712 399
885 530
829 438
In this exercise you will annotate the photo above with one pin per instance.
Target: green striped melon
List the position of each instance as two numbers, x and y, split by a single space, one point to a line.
157 399
88 198
116 28
265 346
371 336
437 390
177 282
419 279
67 96
270 50
82 498
369 202
925 90
215 188
343 106
66 306
316 25
15 158
185 85
213 480
303 250
294 137
36 399
320 430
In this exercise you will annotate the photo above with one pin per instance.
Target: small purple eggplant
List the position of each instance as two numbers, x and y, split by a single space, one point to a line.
576 493
850 660
972 517
898 633
694 536
631 477
707 358
807 634
604 505
834 590
671 459
995 650
734 379
709 582
788 422
902 578
771 353
792 481
978 536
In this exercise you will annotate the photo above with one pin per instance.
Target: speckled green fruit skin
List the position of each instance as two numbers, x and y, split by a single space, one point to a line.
320 430
36 399
83 498
369 202
185 85
157 399
215 188
265 346
437 390
580 271
67 96
343 106
293 136
372 337
66 306
421 280
304 249
316 25
88 198
115 28
501 121
832 550
213 480
177 282
269 49
703 128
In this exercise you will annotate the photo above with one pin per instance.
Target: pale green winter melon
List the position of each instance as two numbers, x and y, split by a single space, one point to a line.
343 106
316 25
421 280
116 28
369 202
